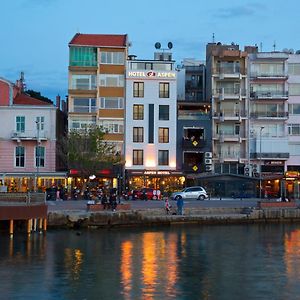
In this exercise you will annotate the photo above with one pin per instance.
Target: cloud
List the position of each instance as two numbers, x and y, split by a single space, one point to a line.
247 10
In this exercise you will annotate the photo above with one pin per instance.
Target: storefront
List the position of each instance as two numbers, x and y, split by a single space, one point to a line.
24 182
165 181
292 182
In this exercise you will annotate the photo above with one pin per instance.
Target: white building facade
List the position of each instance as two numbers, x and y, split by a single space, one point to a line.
151 115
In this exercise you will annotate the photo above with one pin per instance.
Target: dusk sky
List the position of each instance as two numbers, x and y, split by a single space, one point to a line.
35 33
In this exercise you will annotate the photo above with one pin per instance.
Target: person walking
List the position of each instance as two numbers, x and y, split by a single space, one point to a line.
180 206
167 206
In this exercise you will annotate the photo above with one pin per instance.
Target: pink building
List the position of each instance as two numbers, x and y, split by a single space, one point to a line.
29 131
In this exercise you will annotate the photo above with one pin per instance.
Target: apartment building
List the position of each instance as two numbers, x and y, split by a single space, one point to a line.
29 158
151 99
194 154
269 150
97 87
293 162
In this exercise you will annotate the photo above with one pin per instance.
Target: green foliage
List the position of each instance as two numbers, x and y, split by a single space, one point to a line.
87 152
37 95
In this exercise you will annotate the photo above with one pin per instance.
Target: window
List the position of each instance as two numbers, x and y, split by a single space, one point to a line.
294 89
294 129
83 56
20 156
111 80
20 123
163 157
113 58
83 82
85 105
163 112
40 123
138 112
163 135
82 122
294 109
138 134
112 126
112 103
164 90
294 69
138 89
138 157
40 156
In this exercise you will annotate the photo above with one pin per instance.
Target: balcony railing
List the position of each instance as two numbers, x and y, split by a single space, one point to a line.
276 75
84 109
196 143
229 92
229 114
227 70
270 155
278 115
269 94
193 115
29 135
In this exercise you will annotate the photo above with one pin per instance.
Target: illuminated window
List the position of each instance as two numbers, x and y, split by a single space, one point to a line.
138 112
138 134
138 157
164 90
163 135
138 89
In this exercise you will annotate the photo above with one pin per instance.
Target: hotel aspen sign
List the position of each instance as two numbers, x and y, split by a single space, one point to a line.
151 74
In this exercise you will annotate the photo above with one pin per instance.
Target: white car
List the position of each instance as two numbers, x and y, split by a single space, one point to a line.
194 192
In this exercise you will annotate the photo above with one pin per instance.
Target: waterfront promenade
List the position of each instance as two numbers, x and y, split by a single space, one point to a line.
74 214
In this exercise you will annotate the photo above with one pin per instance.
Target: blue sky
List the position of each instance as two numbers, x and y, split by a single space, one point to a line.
35 33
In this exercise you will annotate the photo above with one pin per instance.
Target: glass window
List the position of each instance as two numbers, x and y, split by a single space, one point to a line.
20 156
83 82
294 69
164 90
138 112
111 80
83 105
164 112
138 134
114 58
294 129
40 156
163 157
294 109
138 89
20 123
83 122
112 103
138 157
163 135
294 89
83 56
40 123
112 126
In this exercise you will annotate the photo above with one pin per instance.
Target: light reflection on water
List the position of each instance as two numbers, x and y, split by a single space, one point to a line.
189 262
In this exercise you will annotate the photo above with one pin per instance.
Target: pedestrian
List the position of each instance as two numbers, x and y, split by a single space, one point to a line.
167 206
113 201
180 206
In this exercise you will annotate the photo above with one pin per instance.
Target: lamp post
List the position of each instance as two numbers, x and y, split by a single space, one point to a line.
260 187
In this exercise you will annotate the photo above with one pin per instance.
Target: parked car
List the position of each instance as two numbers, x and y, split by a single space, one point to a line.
146 194
194 192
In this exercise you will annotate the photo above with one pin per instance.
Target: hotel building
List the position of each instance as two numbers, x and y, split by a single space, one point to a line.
151 116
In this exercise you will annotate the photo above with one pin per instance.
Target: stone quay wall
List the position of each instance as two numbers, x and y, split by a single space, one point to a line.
150 217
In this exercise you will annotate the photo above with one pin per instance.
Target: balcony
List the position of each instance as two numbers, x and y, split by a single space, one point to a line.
195 144
193 115
29 135
284 115
270 155
228 115
230 156
229 93
234 71
271 76
228 137
265 95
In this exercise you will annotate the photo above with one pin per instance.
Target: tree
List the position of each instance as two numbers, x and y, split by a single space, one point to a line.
37 95
87 152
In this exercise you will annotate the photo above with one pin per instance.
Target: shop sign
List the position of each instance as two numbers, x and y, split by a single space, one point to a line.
152 74
274 163
292 174
157 172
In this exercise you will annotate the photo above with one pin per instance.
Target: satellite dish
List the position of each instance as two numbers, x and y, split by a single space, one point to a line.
298 52
157 45
285 50
291 51
170 45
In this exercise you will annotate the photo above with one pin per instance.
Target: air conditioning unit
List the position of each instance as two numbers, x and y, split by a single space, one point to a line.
208 168
15 134
208 155
247 170
208 161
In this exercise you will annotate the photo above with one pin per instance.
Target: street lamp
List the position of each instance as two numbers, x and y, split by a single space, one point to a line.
37 161
260 188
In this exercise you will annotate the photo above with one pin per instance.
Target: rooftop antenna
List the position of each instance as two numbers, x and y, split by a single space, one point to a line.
213 37
274 46
261 46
